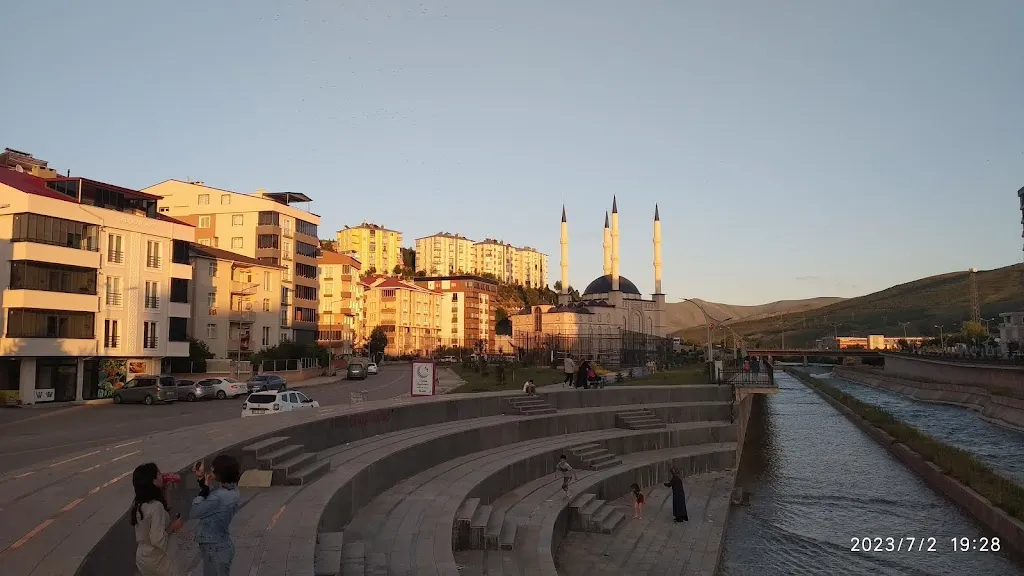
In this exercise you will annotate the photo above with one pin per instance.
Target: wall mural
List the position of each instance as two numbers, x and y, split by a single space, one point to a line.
113 375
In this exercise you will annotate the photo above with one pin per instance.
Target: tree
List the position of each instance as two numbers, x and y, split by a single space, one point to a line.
421 273
198 350
397 271
500 315
377 342
973 329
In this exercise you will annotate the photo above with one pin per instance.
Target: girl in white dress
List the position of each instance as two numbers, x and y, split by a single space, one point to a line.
153 523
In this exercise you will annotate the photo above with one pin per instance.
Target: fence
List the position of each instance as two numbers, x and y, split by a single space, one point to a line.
235 368
623 349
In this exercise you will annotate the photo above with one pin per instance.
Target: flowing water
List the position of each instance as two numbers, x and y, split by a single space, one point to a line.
817 482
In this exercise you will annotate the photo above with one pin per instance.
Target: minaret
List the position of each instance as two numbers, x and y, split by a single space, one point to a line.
615 245
607 246
564 297
657 251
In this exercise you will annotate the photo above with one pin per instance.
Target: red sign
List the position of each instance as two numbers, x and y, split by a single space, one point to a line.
711 325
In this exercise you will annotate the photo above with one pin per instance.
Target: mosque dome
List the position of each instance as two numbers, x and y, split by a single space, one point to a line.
603 285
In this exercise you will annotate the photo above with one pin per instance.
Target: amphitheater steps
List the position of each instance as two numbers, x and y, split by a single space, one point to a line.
289 463
327 554
639 419
594 457
588 513
530 405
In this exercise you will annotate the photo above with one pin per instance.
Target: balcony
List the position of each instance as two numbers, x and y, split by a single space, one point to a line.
287 233
177 349
48 346
54 254
153 261
240 315
150 342
151 302
181 271
246 288
44 300
114 299
179 310
112 342
115 256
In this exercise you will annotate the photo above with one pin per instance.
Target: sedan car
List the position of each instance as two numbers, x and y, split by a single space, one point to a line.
371 368
272 402
191 391
263 382
356 372
225 387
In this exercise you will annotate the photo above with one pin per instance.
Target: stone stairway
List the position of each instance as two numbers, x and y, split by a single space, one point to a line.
530 405
639 419
594 457
588 513
289 463
482 526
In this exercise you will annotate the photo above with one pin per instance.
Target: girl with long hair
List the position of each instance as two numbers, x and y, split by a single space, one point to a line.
153 524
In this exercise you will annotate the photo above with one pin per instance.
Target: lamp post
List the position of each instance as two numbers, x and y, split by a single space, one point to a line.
708 319
904 325
942 337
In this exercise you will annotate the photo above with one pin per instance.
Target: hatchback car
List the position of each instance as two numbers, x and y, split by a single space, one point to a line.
272 402
263 382
148 390
191 391
371 368
225 387
356 372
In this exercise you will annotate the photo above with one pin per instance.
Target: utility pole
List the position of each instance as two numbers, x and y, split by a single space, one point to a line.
975 301
904 324
942 336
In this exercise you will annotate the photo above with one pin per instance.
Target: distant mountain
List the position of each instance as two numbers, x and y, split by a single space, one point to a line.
683 315
943 300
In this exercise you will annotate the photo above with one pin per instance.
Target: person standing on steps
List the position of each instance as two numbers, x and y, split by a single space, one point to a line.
678 496
638 505
569 367
214 511
567 473
152 521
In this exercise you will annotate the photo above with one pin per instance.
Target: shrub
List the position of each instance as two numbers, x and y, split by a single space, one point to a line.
619 378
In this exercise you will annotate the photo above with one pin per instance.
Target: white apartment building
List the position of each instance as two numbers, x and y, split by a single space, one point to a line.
263 225
530 267
236 302
96 290
495 258
444 254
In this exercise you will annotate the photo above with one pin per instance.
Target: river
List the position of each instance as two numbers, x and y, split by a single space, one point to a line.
817 481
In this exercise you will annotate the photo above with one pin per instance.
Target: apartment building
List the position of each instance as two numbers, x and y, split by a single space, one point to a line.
96 291
410 315
444 254
265 226
530 267
378 248
236 302
467 310
495 258
24 162
341 302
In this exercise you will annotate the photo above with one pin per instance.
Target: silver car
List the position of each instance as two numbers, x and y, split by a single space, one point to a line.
147 390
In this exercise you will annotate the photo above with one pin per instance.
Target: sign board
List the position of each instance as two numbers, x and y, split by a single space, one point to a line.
424 378
44 395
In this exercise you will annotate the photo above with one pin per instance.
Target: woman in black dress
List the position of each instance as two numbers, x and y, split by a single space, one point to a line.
678 496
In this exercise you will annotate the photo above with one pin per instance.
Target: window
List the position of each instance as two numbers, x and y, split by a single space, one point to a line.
266 281
225 199
115 253
111 339
55 231
211 300
177 329
266 336
306 292
328 290
113 291
27 275
211 331
149 335
267 218
153 250
26 323
204 199
305 271
204 221
307 250
267 241
236 242
237 219
307 228
152 297
203 241
286 247
212 269
179 290
266 304
180 253
216 242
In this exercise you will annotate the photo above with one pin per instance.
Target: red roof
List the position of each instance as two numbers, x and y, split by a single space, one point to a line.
30 184
396 283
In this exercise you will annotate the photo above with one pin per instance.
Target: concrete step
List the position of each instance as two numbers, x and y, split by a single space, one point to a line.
327 554
537 411
599 517
599 458
253 451
612 521
606 464
492 534
309 473
509 527
641 418
590 454
283 469
587 512
575 508
527 401
376 564
463 518
626 413
478 526
650 426
268 460
583 447
353 559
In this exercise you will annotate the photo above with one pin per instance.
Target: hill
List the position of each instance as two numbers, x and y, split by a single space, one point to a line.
922 304
683 315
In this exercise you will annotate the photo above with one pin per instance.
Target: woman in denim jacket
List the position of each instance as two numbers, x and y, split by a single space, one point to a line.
214 512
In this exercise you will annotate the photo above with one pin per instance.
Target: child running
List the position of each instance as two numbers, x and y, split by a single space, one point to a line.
567 473
638 506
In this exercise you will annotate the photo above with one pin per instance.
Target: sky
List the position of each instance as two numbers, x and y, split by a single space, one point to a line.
795 149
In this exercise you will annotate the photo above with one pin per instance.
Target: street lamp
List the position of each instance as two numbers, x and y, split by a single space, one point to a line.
904 324
942 337
708 319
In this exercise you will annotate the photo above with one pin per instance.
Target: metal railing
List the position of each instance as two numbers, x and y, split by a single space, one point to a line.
112 342
153 261
151 302
149 342
114 298
115 256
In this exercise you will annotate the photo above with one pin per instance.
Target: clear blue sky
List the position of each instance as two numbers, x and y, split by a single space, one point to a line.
797 149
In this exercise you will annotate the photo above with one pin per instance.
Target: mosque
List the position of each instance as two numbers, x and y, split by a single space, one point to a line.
609 308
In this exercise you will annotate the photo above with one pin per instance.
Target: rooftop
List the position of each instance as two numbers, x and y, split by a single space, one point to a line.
368 226
219 254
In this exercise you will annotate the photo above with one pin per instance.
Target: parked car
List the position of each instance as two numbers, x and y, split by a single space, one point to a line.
272 402
447 360
356 372
263 382
225 387
190 391
147 389
371 369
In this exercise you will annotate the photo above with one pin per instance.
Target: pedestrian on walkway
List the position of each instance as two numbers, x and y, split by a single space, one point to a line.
569 367
151 518
567 473
678 496
638 504
214 511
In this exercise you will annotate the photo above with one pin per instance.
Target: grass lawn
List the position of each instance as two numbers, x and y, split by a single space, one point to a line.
544 376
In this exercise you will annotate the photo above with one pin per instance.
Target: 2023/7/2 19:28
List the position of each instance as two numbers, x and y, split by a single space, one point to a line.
922 544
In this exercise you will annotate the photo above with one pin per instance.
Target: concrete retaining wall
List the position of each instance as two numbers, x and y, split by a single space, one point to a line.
1002 410
1009 530
571 398
992 377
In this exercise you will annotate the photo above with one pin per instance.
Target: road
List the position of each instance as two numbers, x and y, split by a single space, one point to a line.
34 435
